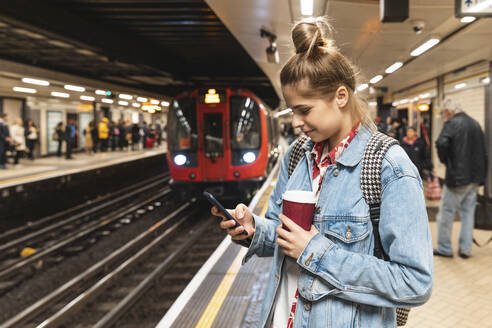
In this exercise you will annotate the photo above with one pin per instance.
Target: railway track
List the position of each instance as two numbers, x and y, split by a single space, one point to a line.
70 235
103 293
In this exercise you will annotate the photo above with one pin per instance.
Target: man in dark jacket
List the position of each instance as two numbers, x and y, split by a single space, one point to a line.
70 133
461 147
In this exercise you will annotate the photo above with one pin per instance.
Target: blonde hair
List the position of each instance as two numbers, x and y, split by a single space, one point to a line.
318 62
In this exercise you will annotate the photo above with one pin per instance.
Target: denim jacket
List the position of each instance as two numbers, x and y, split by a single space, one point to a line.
341 283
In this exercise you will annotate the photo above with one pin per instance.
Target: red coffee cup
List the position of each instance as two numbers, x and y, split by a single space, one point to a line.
298 205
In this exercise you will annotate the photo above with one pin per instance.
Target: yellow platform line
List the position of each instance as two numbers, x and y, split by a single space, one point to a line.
213 307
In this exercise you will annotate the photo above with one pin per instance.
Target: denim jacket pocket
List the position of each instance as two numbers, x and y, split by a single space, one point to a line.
348 232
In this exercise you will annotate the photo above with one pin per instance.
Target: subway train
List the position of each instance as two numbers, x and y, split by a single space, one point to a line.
222 140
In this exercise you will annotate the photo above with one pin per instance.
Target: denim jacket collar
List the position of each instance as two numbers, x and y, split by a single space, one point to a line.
353 154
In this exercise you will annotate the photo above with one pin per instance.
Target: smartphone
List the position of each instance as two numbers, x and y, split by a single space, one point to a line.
222 210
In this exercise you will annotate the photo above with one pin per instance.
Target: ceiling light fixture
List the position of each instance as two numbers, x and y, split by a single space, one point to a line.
394 67
100 92
468 19
165 103
424 47
136 105
60 94
460 85
125 96
35 81
88 98
25 90
376 79
123 103
362 86
486 80
74 88
307 7
154 102
142 99
107 101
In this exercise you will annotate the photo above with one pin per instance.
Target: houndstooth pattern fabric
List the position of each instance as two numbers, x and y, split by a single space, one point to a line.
296 154
402 316
370 177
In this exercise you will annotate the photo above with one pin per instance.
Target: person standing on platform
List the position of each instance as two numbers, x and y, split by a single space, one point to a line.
32 137
144 133
103 134
70 134
60 137
461 147
18 139
329 276
122 135
4 140
95 136
135 136
415 149
158 131
89 143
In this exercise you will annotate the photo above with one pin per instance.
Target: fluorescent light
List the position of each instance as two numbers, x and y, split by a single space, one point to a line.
424 47
74 88
60 94
142 99
59 44
362 87
395 103
424 95
35 81
468 19
125 96
376 79
88 98
107 101
460 85
486 80
415 99
373 103
394 67
101 92
25 90
85 52
404 101
154 102
123 103
136 105
307 7
165 103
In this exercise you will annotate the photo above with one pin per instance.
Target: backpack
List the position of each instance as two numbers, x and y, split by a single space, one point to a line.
370 183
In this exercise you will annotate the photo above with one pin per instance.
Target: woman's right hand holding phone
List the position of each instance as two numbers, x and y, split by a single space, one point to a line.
243 215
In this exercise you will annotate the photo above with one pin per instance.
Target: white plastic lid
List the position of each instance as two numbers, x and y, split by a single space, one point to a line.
300 196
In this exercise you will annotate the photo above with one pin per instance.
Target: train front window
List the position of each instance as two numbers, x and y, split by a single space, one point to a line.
212 133
245 123
182 125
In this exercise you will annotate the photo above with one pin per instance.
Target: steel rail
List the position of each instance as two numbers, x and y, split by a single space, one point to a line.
32 225
19 265
76 217
78 303
50 299
112 316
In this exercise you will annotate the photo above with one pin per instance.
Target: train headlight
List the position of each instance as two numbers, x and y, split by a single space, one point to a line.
249 157
180 159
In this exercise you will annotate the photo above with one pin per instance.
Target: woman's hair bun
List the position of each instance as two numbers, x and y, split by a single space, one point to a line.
311 33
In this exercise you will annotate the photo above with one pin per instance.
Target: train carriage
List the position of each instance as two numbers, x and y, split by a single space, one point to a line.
222 140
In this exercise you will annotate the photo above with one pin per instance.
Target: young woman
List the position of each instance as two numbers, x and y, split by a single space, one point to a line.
328 276
19 139
32 137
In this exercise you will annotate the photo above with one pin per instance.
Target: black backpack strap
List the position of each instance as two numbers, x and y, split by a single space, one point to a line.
297 153
370 182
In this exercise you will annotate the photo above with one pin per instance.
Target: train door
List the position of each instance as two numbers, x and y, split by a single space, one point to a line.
213 140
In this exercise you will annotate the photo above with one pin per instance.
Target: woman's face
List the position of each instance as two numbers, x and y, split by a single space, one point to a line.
319 119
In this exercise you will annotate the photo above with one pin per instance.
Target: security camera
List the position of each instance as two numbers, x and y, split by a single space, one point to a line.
418 26
264 33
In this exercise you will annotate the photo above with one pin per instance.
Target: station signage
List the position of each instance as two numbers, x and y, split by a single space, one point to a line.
476 8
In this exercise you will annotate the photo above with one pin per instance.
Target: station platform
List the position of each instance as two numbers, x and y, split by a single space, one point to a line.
225 293
52 166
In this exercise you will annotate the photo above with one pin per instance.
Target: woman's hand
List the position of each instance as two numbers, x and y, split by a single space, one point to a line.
294 241
243 215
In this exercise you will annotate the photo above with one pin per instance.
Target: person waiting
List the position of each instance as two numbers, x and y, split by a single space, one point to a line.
32 137
70 134
103 134
4 140
415 149
18 139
